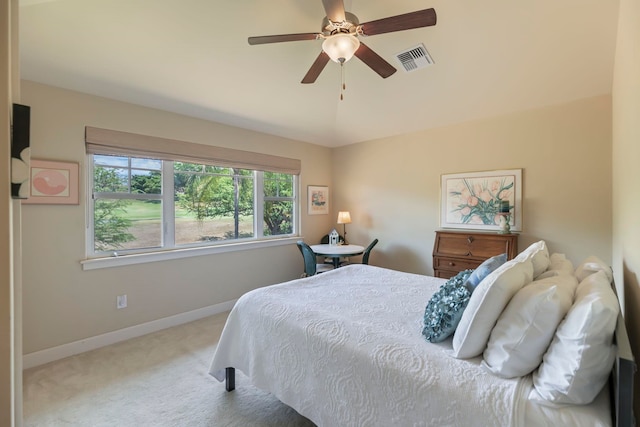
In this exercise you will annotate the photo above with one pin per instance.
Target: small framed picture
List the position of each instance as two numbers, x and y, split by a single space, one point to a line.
53 183
318 200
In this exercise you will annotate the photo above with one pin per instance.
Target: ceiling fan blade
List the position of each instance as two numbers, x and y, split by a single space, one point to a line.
374 61
407 21
282 38
316 68
334 9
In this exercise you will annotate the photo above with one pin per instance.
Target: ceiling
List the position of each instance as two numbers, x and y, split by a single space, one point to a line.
191 57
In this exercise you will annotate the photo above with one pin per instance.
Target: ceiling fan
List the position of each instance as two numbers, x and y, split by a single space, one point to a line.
340 31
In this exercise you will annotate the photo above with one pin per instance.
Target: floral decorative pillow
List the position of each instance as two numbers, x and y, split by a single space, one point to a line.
445 308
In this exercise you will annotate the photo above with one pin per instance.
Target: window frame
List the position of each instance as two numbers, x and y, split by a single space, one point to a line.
169 249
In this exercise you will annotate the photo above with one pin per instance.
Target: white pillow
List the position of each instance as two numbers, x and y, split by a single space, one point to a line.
527 326
539 256
558 264
590 266
577 364
485 305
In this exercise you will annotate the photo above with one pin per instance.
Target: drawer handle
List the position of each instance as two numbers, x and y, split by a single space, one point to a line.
470 239
451 264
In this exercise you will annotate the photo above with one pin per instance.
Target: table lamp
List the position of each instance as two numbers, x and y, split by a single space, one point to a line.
344 218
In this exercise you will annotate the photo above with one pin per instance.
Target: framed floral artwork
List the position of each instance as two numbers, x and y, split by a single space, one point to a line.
317 200
53 183
482 200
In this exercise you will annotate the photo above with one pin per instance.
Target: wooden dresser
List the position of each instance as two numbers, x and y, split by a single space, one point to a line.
454 251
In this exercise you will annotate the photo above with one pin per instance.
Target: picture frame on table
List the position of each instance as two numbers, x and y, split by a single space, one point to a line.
480 200
53 183
317 200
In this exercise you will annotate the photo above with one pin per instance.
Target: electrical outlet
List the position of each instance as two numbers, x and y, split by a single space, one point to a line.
121 301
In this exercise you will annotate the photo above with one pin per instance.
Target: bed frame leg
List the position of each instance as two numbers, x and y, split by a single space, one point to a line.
230 379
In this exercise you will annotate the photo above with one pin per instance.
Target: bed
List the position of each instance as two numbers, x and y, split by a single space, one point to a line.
345 348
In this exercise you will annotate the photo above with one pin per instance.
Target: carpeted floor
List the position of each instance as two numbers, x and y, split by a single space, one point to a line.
160 379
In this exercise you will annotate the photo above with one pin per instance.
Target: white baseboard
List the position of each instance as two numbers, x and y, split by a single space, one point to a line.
41 357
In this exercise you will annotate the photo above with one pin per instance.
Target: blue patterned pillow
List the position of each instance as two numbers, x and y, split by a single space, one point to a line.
445 308
483 270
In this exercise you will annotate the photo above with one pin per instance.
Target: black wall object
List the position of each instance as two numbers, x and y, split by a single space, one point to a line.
20 151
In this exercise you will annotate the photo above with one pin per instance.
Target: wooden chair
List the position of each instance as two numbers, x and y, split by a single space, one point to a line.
311 266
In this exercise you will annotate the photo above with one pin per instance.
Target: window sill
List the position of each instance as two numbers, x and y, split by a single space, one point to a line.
118 261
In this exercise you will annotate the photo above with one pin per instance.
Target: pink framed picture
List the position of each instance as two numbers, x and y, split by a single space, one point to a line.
53 183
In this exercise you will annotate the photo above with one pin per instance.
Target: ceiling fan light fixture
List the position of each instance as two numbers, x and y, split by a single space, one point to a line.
341 46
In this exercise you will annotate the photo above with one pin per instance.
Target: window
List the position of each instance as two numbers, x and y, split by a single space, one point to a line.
141 204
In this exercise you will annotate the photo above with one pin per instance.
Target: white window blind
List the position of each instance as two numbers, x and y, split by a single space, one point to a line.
105 141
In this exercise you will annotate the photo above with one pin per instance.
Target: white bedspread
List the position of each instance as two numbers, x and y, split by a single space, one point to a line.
344 348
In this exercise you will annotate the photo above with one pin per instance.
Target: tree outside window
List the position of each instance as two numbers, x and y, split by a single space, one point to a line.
202 204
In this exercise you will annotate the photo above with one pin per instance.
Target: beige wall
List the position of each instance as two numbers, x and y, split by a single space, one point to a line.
392 186
626 171
63 303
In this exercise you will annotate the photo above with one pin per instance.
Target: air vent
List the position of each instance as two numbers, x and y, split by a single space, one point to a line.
415 58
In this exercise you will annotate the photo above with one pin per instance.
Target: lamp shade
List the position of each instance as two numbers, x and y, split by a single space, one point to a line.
341 46
344 217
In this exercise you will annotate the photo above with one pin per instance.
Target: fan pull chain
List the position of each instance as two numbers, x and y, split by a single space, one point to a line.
343 86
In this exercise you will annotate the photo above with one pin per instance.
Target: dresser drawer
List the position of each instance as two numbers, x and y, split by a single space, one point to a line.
455 251
472 245
445 274
454 264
